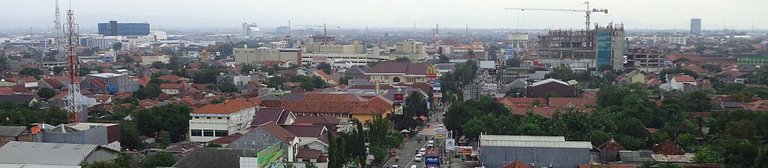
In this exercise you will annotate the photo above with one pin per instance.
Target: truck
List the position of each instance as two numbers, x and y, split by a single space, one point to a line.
432 158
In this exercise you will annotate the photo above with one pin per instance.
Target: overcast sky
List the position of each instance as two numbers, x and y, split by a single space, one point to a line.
169 14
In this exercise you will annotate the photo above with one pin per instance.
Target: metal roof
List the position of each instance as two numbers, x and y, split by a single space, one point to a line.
522 138
538 144
548 81
11 131
16 152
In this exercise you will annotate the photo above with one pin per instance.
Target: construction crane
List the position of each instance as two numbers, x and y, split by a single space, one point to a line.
324 26
588 11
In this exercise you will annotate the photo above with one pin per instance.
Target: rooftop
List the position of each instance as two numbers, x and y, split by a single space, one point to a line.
228 107
42 153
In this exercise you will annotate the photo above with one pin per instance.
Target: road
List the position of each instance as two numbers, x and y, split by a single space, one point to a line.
408 149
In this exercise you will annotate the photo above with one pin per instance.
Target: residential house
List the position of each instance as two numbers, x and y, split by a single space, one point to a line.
330 122
51 83
269 137
42 154
327 78
633 77
108 83
551 88
398 72
18 98
148 60
171 88
13 133
276 115
313 137
679 82
218 120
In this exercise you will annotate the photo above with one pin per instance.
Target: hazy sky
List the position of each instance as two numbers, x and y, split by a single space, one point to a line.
168 14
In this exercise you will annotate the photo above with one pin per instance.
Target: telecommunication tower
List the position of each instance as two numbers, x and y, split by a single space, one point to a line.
73 100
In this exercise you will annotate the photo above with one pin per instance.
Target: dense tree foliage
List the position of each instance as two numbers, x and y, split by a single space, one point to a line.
325 67
46 93
349 147
28 71
24 114
172 118
415 106
161 159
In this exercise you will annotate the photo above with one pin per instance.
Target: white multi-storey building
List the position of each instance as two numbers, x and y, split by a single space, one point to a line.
218 120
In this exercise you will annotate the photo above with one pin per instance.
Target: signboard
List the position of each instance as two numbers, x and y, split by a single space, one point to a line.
450 144
441 133
431 72
399 97
437 88
437 83
437 95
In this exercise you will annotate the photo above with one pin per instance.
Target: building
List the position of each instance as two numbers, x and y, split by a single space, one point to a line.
696 26
344 60
220 157
340 105
13 133
256 55
123 29
41 154
171 88
645 60
581 50
398 72
551 88
269 138
679 82
550 151
81 133
218 120
518 41
320 45
610 44
411 46
108 83
148 60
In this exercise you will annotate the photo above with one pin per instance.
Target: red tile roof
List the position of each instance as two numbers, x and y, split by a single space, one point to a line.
317 120
684 78
228 107
314 131
171 86
170 78
558 102
278 131
522 102
516 164
667 148
264 115
227 139
56 84
611 145
6 91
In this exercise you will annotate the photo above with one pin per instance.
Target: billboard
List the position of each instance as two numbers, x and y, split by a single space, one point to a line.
441 133
399 97
450 144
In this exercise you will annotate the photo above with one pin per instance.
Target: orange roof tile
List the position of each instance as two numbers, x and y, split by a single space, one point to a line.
228 107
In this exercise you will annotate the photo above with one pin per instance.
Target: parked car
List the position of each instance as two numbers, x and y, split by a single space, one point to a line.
421 151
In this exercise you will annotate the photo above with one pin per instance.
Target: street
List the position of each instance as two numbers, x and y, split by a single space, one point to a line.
409 147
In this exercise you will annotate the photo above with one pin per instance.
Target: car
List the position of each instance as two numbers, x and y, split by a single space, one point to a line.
418 158
395 166
422 151
441 125
414 166
430 143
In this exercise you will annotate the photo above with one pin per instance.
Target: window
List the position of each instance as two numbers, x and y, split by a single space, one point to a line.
396 80
221 133
197 132
208 133
219 118
207 117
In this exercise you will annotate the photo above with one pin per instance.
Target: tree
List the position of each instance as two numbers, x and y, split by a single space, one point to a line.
46 93
246 68
159 65
164 159
562 73
117 46
30 72
325 67
129 139
276 82
58 70
227 87
310 165
379 153
206 76
444 59
172 118
337 155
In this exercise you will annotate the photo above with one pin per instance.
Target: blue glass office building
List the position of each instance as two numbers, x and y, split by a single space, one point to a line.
123 29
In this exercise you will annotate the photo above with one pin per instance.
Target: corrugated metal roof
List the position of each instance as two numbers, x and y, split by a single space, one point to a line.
522 138
548 81
11 131
538 144
16 152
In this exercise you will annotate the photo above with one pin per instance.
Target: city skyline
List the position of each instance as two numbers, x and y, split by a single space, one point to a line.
170 14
